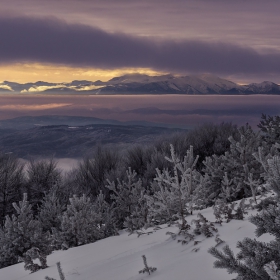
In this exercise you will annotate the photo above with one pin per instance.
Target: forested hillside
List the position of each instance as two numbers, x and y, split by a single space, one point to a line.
164 183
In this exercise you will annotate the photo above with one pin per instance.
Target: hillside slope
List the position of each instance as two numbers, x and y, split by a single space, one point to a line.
119 257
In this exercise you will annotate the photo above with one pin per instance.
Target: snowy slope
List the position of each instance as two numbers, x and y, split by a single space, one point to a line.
119 257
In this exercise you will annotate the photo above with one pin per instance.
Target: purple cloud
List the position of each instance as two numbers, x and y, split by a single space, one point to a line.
49 40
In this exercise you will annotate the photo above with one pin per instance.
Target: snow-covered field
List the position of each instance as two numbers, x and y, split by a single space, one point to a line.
120 257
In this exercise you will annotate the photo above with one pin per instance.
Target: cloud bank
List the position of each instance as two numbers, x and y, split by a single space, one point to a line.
49 40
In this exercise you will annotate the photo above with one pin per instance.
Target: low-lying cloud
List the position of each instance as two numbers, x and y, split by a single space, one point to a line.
50 40
33 107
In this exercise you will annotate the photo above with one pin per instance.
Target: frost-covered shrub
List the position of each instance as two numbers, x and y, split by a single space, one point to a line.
237 173
229 211
203 226
50 211
130 207
42 176
270 126
274 175
22 238
173 190
272 270
92 173
253 261
107 221
79 224
264 203
11 184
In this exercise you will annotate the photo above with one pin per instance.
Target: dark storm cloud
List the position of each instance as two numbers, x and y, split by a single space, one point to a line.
49 40
251 22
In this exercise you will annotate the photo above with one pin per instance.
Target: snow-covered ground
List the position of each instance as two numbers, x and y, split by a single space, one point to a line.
120 257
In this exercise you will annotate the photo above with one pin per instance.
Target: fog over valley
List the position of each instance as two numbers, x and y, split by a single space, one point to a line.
183 111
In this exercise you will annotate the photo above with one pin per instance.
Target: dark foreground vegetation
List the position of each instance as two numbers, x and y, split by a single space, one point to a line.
43 209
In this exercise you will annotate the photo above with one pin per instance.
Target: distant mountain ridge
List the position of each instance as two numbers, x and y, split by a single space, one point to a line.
27 122
145 84
73 136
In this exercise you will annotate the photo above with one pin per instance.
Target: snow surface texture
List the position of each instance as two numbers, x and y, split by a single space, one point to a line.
120 257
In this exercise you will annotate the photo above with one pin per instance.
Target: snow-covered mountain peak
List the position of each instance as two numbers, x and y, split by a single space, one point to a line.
136 83
139 78
130 78
264 87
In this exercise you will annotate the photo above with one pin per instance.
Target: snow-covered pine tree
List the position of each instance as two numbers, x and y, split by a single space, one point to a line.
129 204
215 168
228 189
263 154
249 168
203 226
243 170
200 198
269 158
107 222
273 182
50 211
138 217
79 224
174 190
254 256
272 270
22 238
270 126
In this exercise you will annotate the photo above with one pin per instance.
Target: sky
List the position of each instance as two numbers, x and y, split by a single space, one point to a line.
65 40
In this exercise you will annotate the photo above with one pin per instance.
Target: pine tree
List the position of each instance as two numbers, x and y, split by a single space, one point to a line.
50 211
79 224
174 190
93 172
130 208
203 226
22 238
42 176
107 221
254 256
11 184
138 218
269 158
272 270
270 126
274 175
242 169
200 197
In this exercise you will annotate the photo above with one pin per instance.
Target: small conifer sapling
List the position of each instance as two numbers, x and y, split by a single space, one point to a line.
147 268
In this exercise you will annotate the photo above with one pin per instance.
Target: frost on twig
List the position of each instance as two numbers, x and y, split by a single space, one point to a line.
147 268
60 272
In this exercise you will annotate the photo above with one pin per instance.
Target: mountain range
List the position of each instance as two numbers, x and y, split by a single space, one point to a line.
145 84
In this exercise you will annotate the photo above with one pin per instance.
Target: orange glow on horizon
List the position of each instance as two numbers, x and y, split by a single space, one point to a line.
33 72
